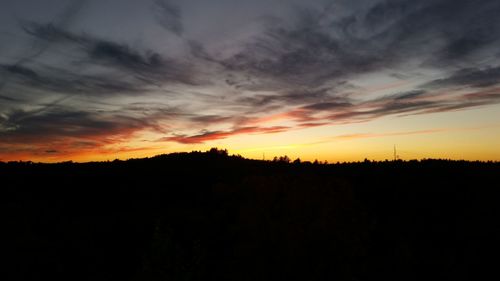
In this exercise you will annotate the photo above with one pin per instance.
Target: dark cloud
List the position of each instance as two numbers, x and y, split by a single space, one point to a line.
51 33
70 131
311 52
198 51
65 82
409 95
400 100
147 67
169 16
397 107
217 135
124 56
488 95
21 71
473 77
316 48
304 55
24 126
9 99
65 18
211 119
401 104
128 71
327 106
292 98
439 32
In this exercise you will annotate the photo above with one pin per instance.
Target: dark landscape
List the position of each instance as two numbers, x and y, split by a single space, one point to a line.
211 216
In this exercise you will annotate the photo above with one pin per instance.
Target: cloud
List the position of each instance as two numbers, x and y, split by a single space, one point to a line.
52 33
472 77
122 56
68 131
401 104
440 32
169 16
323 106
217 135
286 97
26 127
211 119
147 66
39 48
319 48
409 95
304 54
66 82
9 99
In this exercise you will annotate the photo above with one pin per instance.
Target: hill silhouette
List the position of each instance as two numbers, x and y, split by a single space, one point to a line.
210 216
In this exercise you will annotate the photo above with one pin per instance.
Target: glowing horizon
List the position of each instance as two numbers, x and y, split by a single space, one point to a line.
473 143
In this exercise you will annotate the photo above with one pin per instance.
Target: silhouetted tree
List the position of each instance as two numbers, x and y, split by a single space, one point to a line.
284 159
217 151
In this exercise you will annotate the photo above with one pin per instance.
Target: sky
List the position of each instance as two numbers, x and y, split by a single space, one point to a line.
338 80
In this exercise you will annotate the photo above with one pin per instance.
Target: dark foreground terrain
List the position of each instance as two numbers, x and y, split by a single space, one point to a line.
209 216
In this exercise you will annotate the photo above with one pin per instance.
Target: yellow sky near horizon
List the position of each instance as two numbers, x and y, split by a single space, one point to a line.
471 134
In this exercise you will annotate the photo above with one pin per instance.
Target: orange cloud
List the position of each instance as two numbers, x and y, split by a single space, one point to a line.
215 135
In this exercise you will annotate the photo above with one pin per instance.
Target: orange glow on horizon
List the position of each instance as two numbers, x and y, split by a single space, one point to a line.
419 144
466 134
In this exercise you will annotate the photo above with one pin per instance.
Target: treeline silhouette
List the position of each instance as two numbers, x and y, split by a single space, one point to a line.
211 216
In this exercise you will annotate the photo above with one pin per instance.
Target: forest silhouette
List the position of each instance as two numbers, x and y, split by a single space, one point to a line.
212 216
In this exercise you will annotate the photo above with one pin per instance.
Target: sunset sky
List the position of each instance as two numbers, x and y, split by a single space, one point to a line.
337 80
